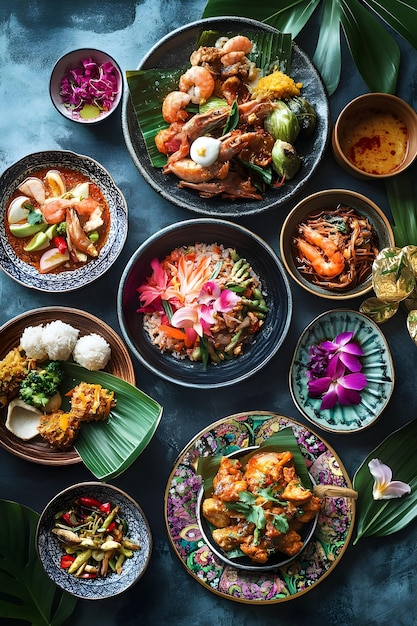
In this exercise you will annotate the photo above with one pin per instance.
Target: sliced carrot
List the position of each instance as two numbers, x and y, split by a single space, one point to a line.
175 333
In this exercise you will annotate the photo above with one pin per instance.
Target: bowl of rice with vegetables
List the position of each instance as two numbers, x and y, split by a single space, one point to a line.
204 303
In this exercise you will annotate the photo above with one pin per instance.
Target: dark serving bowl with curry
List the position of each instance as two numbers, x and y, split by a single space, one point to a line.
63 221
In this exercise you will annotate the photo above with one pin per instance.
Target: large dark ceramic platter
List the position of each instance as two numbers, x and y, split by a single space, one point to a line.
173 51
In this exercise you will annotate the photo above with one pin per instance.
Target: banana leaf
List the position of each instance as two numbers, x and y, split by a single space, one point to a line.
26 592
108 448
148 87
385 517
373 49
281 441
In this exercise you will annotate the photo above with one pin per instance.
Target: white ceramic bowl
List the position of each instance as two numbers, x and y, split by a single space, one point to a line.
73 59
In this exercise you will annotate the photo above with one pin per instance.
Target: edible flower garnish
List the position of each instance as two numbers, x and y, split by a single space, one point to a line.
333 371
193 299
89 88
384 488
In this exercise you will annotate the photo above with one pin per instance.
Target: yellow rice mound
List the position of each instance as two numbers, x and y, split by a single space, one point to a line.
277 86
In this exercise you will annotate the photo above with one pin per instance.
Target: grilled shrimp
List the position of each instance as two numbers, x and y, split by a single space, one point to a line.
323 254
190 171
198 83
173 107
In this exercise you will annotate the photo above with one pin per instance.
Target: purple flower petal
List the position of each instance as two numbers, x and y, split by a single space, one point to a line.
351 361
329 399
318 386
357 381
343 338
347 396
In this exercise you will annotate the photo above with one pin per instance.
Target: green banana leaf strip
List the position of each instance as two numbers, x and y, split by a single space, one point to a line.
108 448
148 88
402 191
281 441
26 592
385 517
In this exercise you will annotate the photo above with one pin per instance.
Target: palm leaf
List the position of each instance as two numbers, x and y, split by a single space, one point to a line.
27 594
374 51
109 448
281 441
384 517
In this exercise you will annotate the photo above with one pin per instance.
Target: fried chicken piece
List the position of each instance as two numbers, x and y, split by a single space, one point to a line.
91 402
216 512
59 429
229 482
13 369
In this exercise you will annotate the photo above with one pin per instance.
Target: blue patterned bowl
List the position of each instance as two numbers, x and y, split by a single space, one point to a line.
376 365
50 549
28 275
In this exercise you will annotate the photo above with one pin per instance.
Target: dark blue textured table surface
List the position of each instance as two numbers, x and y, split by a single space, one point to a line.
376 579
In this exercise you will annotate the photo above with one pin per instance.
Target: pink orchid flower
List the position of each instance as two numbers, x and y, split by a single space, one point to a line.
337 386
384 488
188 317
346 350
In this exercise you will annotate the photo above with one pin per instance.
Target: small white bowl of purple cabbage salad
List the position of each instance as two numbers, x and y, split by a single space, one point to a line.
86 85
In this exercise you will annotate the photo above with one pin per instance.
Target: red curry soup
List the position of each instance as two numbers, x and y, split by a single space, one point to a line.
57 220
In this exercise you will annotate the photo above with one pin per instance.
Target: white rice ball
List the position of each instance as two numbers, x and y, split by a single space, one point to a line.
59 339
92 352
31 342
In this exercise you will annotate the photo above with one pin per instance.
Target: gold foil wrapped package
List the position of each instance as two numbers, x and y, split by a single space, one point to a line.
377 310
392 275
411 252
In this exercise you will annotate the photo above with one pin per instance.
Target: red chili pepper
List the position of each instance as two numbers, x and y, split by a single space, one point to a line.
67 518
67 560
111 526
106 507
60 243
88 575
90 502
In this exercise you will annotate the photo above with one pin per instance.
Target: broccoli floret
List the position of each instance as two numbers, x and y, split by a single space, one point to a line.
40 385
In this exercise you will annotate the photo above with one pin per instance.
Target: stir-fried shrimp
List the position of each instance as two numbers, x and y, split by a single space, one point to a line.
168 140
54 211
336 244
198 83
324 255
173 107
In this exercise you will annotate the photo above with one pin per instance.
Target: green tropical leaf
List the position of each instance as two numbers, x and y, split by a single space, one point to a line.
108 448
401 16
329 64
402 192
384 517
26 592
374 51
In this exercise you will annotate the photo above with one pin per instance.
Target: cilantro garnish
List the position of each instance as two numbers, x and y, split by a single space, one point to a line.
255 514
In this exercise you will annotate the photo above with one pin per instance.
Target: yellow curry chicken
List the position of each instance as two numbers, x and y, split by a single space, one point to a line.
259 509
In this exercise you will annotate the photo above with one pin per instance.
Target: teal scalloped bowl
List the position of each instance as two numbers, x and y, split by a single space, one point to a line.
376 365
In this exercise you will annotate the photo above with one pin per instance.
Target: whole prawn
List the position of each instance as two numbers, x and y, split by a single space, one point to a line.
322 253
197 83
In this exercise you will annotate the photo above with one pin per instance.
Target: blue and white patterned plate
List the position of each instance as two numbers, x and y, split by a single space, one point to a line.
376 365
50 549
75 279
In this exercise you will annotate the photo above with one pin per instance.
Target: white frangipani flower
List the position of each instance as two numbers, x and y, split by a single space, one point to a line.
384 488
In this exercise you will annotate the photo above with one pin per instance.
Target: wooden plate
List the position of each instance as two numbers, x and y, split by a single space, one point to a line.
120 364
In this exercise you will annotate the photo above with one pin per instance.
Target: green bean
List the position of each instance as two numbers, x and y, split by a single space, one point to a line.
233 342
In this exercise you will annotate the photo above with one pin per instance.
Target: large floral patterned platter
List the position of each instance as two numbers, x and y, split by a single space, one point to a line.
311 566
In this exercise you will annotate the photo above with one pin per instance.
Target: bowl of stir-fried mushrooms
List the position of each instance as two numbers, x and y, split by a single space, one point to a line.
93 540
257 515
330 240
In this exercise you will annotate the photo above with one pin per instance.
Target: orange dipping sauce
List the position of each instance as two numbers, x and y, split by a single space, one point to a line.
375 142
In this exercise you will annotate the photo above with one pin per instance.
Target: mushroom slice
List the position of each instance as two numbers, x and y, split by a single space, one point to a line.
55 182
33 187
22 419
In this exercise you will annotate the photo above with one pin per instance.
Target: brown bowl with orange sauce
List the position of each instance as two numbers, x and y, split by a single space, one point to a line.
375 136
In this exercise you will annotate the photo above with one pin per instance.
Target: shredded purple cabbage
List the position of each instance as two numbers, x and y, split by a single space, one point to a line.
89 83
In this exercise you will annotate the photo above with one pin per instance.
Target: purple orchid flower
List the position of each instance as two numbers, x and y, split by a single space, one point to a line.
345 350
337 386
